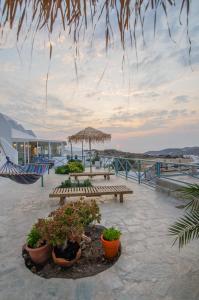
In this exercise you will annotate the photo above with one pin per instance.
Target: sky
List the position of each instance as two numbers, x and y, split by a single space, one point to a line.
148 102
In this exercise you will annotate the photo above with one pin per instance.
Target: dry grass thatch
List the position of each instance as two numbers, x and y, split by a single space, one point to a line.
89 134
75 15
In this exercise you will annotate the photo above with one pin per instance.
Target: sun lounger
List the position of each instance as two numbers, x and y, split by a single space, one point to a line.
62 193
93 174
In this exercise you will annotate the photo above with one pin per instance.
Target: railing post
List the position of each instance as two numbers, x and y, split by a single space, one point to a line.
126 169
139 171
158 169
116 166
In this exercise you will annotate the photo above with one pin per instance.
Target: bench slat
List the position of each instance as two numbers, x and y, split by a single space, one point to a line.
91 191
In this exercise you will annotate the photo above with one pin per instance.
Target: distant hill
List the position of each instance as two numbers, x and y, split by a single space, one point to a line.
175 152
166 153
117 153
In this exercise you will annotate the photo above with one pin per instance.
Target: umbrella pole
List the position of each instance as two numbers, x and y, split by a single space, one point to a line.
90 155
71 150
82 151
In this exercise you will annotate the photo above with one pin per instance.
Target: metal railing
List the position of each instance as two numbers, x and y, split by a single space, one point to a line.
146 171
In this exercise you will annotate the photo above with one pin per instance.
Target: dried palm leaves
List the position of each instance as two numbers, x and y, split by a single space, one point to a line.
89 134
76 14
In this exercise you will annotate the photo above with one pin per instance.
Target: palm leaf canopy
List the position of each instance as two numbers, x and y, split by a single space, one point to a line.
72 15
90 134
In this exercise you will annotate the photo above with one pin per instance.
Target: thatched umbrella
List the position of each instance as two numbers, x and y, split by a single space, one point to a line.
89 135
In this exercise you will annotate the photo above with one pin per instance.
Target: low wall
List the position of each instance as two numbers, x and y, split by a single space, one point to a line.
171 188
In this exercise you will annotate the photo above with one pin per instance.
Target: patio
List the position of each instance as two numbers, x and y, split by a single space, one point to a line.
148 269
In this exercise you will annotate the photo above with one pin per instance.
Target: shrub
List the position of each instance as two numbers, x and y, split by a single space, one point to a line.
68 183
73 166
68 222
62 170
111 234
34 238
74 159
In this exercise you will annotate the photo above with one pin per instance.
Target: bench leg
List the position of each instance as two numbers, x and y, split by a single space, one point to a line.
62 201
104 177
115 195
108 177
121 198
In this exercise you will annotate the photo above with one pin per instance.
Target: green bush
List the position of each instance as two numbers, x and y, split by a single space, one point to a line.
68 222
34 238
74 159
68 183
62 170
71 167
111 234
75 167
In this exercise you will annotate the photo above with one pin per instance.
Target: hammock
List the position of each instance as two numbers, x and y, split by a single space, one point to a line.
26 174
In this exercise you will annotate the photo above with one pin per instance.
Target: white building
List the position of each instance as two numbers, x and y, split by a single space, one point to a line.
25 142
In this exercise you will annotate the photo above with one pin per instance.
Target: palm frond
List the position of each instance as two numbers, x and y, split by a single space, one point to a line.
186 228
71 14
191 192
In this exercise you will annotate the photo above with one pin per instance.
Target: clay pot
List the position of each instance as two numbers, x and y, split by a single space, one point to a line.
39 255
111 248
65 262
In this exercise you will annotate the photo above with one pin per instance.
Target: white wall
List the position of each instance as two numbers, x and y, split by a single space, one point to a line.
7 150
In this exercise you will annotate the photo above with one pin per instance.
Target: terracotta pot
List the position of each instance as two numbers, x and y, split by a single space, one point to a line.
110 247
65 262
39 255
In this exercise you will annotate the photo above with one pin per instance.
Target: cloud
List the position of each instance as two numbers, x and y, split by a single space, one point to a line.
181 99
132 101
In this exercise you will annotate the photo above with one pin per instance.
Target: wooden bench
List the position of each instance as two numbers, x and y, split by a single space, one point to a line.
62 193
92 174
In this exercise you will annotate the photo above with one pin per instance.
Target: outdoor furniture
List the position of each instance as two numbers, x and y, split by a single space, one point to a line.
27 174
89 135
62 193
89 174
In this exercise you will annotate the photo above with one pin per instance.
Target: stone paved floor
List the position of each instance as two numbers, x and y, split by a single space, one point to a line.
148 269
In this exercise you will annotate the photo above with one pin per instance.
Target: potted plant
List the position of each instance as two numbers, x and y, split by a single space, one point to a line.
65 230
111 242
36 246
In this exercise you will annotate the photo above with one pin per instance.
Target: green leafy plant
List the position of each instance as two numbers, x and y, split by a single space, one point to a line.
187 227
68 183
62 170
68 221
34 238
111 234
73 166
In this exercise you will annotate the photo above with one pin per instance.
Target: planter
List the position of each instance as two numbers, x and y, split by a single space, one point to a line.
65 262
111 248
39 255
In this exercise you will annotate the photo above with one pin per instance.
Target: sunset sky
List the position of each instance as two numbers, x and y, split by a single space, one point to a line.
149 104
